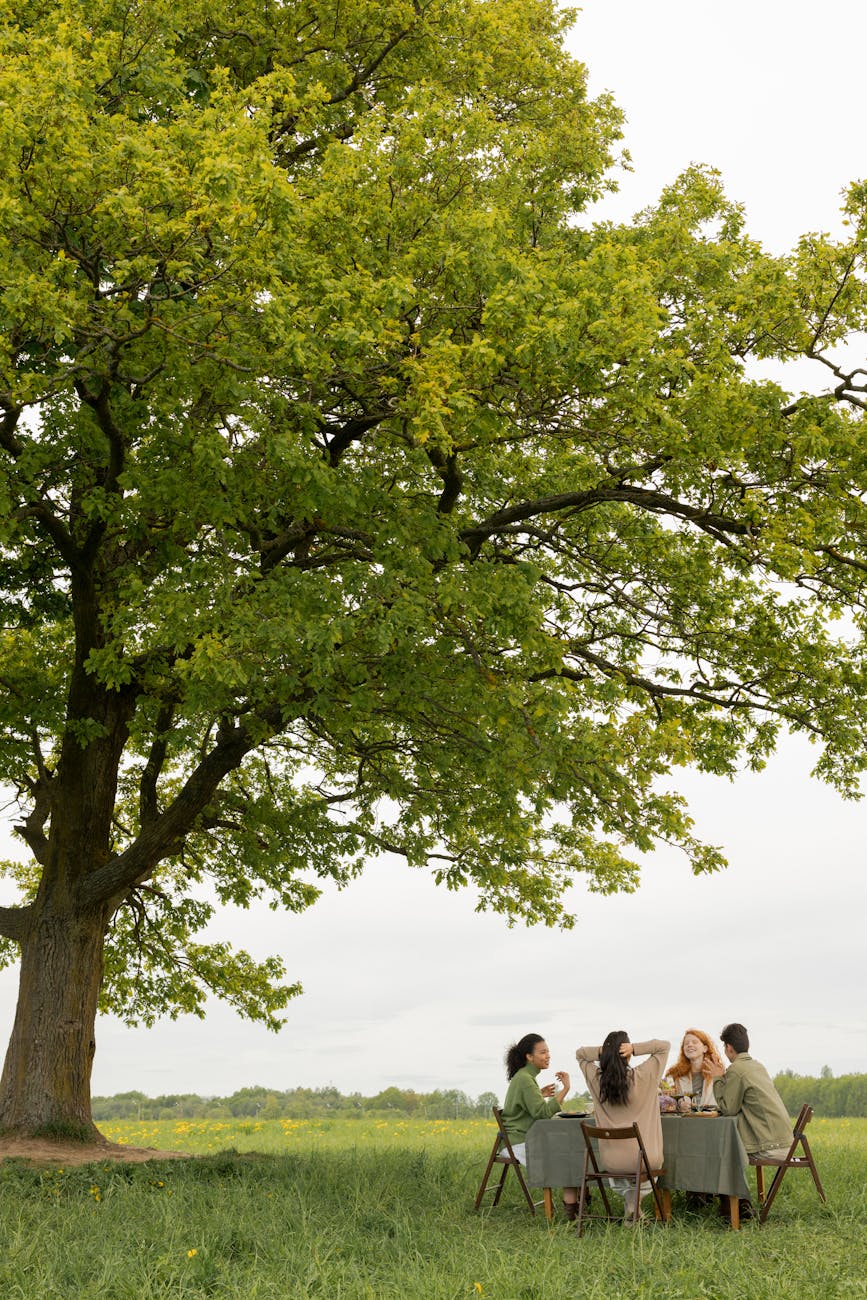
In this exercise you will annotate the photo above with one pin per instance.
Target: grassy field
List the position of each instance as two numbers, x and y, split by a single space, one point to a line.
355 1210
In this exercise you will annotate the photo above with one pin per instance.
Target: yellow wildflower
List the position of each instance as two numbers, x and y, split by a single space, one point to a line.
191 1253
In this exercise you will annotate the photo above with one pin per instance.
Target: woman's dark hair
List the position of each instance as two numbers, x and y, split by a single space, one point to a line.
614 1072
516 1055
736 1037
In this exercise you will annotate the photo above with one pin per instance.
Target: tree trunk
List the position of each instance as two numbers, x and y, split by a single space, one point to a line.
45 1087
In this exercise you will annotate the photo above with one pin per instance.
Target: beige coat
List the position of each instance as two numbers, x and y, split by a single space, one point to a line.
683 1088
642 1106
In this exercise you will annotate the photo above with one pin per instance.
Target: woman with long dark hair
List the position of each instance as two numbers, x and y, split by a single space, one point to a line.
622 1095
526 1101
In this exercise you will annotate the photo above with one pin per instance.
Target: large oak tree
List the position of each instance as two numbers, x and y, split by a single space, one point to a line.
358 493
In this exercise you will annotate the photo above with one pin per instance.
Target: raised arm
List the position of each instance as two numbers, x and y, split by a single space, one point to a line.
656 1050
587 1058
728 1092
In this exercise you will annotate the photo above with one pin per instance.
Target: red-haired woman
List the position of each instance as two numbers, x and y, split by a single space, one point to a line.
690 1073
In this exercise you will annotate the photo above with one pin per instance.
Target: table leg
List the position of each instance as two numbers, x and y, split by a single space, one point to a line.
549 1203
735 1212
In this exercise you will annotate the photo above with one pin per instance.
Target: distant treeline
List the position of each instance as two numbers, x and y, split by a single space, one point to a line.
296 1103
846 1095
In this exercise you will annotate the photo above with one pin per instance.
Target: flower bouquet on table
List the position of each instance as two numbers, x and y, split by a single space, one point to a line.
667 1100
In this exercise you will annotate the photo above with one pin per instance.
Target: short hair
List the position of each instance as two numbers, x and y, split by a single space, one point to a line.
736 1037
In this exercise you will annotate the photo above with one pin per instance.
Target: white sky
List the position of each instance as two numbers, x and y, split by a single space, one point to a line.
404 983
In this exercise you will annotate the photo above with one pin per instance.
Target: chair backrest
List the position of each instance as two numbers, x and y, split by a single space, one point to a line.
611 1134
805 1114
497 1112
630 1134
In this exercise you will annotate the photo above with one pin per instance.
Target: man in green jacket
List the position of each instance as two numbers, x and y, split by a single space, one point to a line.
747 1091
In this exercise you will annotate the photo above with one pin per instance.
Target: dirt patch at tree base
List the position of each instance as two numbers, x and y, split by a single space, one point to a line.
41 1152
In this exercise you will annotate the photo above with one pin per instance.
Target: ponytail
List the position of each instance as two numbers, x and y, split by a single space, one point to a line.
516 1055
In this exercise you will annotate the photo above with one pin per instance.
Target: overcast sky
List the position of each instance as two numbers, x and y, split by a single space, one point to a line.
403 982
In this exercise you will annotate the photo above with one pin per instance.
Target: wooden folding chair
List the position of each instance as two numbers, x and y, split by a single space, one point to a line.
502 1154
641 1174
782 1163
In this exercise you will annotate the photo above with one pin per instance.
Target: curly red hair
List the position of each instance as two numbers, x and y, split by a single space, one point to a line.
682 1065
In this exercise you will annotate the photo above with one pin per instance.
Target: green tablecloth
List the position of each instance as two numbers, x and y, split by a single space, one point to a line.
555 1153
702 1154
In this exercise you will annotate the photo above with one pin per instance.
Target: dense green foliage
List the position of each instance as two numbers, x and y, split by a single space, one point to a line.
846 1095
357 492
372 1212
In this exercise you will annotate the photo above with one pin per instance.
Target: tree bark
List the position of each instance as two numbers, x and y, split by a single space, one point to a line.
45 1086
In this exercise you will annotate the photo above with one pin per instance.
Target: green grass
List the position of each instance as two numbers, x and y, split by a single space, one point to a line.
355 1210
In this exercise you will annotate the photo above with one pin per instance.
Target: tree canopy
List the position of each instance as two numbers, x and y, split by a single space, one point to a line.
360 493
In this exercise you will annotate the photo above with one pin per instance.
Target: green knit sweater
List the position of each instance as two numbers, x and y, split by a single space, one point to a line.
525 1104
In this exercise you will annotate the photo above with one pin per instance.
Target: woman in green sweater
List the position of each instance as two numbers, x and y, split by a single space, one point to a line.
526 1101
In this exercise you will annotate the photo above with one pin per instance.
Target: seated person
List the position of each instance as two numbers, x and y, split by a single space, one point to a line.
746 1089
690 1075
526 1101
623 1095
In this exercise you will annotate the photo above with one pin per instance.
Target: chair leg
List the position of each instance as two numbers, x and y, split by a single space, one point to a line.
581 1200
661 1201
498 1193
760 1184
813 1170
524 1188
772 1192
481 1190
583 1192
662 1211
584 1196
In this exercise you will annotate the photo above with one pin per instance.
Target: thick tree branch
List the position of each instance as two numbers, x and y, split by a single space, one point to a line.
15 922
656 502
847 388
100 405
8 426
848 560
163 836
453 479
350 432
57 532
154 766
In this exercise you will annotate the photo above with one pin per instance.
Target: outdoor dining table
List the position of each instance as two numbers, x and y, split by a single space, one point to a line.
702 1153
